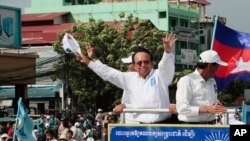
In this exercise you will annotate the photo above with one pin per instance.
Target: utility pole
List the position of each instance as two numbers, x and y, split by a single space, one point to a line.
66 87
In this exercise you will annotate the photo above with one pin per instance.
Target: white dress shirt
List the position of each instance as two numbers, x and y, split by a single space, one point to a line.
192 92
129 118
149 93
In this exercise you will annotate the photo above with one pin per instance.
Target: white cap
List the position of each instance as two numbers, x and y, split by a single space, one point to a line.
4 135
77 124
127 60
99 110
48 117
211 56
46 125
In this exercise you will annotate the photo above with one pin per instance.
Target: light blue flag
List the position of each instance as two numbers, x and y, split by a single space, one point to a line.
24 124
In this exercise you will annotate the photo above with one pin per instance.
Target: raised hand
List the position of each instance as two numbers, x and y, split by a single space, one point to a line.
169 41
90 51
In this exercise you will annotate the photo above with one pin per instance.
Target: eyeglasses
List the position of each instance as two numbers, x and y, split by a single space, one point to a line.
139 63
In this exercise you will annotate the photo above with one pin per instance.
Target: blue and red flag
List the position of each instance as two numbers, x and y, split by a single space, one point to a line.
233 47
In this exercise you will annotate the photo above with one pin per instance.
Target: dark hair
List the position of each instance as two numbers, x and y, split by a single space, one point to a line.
204 65
201 65
69 131
72 121
41 138
141 49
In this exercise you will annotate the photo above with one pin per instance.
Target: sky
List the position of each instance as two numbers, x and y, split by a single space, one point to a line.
236 11
15 3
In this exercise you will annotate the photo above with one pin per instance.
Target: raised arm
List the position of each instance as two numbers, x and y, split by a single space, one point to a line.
166 65
168 42
105 72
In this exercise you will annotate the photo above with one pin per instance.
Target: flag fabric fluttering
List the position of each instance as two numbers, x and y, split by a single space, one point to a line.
24 124
233 47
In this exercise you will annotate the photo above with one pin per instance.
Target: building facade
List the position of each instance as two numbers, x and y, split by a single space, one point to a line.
179 17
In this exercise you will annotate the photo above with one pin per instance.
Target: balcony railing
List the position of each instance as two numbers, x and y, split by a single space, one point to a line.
225 119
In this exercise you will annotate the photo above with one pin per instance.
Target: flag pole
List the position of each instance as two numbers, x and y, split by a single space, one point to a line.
243 112
14 134
214 31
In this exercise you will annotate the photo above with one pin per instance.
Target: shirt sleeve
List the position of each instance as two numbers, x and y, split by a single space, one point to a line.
184 98
166 68
107 73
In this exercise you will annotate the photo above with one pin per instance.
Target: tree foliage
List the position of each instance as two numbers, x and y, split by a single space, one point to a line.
233 91
110 44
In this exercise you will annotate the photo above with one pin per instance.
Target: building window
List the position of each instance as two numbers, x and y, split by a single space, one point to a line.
202 40
183 22
172 23
80 2
162 14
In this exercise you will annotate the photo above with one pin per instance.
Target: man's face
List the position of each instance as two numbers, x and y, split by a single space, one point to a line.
211 69
142 64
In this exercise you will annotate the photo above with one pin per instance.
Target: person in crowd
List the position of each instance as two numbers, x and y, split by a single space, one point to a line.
147 87
79 132
105 132
72 127
53 121
63 129
196 96
98 119
41 123
35 132
50 135
70 136
41 138
89 133
10 129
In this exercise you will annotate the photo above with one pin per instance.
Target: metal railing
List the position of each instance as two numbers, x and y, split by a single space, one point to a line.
225 119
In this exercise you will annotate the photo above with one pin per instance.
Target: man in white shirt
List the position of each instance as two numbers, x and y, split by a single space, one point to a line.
72 127
147 87
196 96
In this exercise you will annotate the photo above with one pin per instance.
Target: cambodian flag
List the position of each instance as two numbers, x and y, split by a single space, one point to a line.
233 47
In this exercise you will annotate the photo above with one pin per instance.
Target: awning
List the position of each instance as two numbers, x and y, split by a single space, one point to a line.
42 16
44 92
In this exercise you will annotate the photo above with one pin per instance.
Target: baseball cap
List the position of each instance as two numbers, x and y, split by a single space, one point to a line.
99 110
77 124
47 125
4 135
127 60
211 56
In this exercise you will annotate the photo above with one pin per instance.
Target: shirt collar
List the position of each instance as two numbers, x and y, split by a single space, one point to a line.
200 78
148 76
